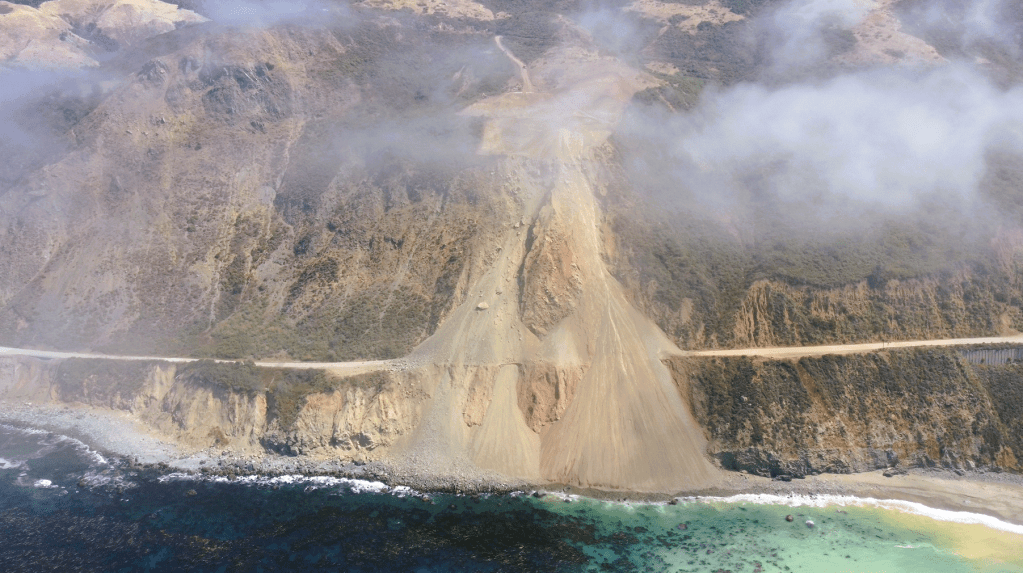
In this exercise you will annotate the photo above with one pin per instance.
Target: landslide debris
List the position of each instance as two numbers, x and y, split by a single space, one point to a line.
556 317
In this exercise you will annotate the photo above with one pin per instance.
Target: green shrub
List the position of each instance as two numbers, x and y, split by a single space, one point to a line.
289 389
243 377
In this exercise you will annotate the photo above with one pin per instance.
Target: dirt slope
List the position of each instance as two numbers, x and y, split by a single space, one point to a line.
548 303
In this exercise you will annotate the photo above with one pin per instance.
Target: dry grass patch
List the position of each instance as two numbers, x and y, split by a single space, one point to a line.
449 8
685 16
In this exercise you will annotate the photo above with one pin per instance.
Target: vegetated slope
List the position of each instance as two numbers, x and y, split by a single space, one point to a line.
910 408
245 194
709 285
733 268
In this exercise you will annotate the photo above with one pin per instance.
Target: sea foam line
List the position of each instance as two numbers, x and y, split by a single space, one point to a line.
24 430
57 438
912 507
316 482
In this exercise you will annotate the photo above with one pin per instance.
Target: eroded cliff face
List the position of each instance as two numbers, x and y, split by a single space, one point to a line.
714 282
541 370
233 406
849 413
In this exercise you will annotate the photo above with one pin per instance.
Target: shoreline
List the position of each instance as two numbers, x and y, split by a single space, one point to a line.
114 432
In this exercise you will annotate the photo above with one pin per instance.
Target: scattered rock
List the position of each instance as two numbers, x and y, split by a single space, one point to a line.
789 518
892 472
191 493
482 306
809 523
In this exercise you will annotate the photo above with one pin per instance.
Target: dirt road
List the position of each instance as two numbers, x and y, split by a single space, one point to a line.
371 365
527 85
799 351
347 367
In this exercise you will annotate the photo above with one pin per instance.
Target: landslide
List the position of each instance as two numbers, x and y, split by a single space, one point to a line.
547 371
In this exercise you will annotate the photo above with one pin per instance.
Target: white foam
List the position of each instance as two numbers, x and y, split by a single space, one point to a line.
30 431
6 464
911 507
79 445
311 482
43 483
106 478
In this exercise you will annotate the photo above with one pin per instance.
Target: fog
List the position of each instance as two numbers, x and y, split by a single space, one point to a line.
887 136
994 22
831 138
31 132
878 136
795 32
835 142
270 12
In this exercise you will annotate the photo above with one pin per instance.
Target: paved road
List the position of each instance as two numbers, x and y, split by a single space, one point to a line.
799 351
353 367
370 365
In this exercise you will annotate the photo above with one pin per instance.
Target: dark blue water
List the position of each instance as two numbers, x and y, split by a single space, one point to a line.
65 508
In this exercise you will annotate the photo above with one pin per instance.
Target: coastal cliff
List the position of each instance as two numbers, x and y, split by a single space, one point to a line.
857 412
896 409
233 406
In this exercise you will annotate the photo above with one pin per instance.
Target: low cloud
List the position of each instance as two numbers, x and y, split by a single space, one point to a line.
874 139
971 22
260 13
21 126
802 33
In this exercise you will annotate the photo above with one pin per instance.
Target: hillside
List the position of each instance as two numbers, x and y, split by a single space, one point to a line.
533 204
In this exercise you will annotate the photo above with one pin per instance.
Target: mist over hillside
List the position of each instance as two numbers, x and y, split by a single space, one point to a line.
484 238
280 178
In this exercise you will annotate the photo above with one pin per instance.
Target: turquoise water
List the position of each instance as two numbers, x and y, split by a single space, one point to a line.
64 507
699 536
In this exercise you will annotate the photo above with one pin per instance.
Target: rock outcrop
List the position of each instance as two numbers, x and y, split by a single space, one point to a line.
859 412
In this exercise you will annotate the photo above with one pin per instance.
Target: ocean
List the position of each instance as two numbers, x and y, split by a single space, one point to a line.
65 507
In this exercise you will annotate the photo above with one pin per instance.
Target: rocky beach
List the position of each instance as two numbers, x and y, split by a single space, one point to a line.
995 494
